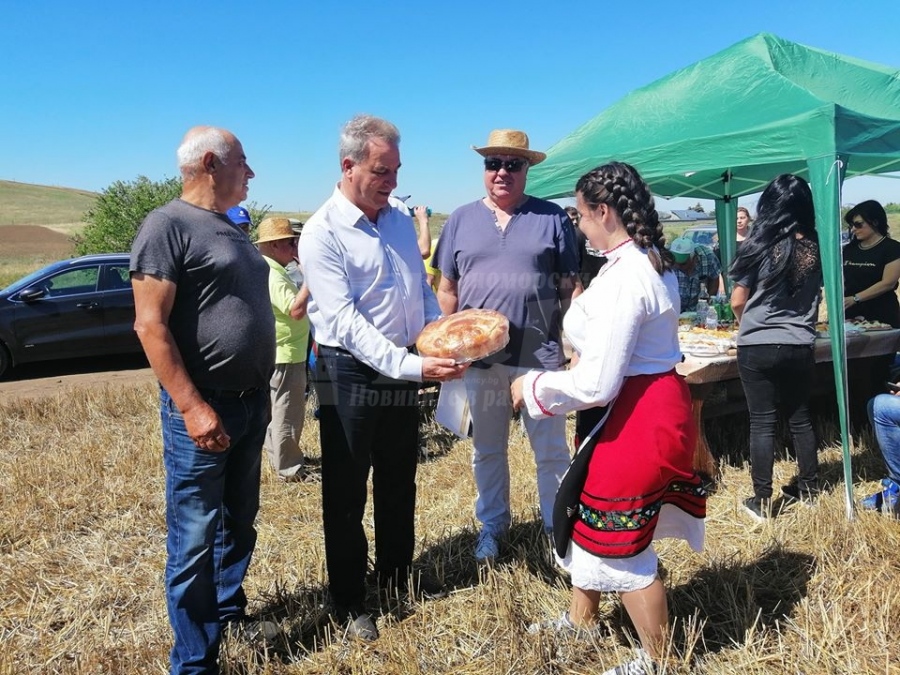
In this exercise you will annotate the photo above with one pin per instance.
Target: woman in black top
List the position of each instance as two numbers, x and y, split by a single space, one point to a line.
871 266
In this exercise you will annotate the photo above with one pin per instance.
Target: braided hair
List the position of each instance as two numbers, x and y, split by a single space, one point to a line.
620 186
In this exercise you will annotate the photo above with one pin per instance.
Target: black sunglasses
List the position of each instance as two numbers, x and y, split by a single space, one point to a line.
856 224
511 165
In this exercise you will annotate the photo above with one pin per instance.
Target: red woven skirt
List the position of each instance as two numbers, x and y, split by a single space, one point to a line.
642 461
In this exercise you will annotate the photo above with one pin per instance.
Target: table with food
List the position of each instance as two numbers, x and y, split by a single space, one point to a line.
710 366
710 355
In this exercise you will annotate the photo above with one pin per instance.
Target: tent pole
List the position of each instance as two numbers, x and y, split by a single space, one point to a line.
826 176
726 226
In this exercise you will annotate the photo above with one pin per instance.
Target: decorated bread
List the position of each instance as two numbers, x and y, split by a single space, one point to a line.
465 336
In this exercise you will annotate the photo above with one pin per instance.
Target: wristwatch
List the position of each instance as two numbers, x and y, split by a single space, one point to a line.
856 299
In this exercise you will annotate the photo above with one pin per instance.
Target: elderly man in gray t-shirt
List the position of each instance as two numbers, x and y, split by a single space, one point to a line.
515 254
204 319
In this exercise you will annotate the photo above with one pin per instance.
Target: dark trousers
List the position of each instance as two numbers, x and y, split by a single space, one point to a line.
778 378
367 421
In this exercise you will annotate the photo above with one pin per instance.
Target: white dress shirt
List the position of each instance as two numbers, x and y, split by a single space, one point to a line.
367 285
624 324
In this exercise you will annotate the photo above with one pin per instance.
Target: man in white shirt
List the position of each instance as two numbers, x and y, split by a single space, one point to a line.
369 302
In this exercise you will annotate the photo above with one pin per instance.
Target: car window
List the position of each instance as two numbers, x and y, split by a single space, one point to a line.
72 282
116 277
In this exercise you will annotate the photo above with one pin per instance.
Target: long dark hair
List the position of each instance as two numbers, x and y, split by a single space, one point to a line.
785 209
620 186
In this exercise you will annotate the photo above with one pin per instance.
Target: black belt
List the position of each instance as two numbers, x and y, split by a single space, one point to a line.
221 394
324 350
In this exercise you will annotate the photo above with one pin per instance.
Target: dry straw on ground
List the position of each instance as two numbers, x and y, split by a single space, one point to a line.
82 549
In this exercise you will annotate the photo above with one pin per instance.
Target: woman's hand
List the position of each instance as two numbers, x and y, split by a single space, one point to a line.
515 392
848 303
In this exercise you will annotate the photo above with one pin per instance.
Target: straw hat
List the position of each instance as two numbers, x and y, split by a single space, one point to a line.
510 142
272 229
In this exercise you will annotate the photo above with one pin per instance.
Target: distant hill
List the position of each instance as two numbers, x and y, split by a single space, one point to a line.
56 207
61 209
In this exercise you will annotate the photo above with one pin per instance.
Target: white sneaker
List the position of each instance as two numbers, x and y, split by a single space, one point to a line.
642 665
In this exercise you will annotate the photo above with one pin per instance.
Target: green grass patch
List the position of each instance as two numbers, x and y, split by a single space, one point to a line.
27 204
13 269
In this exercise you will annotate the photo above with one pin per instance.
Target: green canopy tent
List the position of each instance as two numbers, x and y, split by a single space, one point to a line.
725 126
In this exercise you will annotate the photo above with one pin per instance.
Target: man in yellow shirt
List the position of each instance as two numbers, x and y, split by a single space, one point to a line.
278 244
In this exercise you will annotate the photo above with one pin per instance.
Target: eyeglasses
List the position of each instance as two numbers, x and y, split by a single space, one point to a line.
856 224
511 165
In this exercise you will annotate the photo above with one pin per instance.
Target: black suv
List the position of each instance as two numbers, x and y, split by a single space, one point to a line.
72 308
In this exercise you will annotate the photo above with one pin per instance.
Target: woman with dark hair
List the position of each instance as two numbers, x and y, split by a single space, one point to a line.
641 484
871 266
743 225
778 279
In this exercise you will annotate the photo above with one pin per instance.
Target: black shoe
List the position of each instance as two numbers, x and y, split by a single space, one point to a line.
760 509
794 495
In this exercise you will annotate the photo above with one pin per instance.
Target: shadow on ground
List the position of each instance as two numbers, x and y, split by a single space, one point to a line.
726 601
62 367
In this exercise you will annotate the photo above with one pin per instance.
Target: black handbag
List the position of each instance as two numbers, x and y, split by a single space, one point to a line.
588 424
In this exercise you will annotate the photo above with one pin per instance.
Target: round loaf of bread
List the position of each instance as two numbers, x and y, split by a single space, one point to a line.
465 336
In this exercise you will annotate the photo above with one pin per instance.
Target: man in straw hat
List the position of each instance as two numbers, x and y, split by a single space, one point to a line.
369 302
512 253
277 241
204 320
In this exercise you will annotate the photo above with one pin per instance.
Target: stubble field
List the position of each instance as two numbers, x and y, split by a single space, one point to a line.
82 550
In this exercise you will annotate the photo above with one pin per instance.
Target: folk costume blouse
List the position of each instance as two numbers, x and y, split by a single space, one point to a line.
625 324
641 484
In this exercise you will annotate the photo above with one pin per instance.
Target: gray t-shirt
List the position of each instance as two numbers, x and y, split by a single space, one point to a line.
785 314
514 271
221 319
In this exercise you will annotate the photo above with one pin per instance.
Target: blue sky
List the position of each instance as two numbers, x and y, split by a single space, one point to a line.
94 92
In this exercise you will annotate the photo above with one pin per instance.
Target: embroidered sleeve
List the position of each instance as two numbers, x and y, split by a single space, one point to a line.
536 409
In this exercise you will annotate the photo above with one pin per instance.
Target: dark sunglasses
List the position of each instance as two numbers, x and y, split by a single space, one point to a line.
856 224
511 165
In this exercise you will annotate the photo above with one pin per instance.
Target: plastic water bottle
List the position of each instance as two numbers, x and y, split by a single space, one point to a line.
712 318
702 305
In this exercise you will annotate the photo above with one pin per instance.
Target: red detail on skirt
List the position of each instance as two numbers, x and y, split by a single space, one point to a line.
643 459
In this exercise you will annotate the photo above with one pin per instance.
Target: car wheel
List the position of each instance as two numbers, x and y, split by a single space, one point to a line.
5 360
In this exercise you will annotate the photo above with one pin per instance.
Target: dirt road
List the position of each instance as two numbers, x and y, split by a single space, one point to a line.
55 377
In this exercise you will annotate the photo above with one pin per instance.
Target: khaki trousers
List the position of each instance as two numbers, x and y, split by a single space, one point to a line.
287 390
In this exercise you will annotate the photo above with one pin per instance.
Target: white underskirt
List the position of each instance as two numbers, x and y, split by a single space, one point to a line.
593 573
